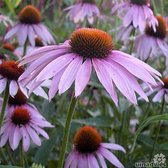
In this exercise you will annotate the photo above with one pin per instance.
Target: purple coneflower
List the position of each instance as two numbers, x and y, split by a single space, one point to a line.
90 152
152 43
85 9
137 13
124 33
73 61
23 122
161 91
29 27
10 72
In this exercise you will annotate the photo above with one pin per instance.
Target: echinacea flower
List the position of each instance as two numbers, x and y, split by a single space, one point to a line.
152 43
124 33
23 123
86 9
160 91
30 26
90 152
137 13
9 73
73 61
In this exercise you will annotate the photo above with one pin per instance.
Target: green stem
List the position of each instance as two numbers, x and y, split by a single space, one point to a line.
25 48
5 101
22 162
67 131
157 130
154 7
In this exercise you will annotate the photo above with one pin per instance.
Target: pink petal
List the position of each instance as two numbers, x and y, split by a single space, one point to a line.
113 146
104 77
82 77
55 66
102 160
54 85
33 135
13 88
69 74
26 138
159 95
31 35
11 32
70 159
22 34
3 83
16 137
111 158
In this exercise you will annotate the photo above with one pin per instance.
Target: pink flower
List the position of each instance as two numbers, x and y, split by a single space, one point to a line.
161 91
153 43
10 72
22 123
74 60
88 149
123 34
86 9
29 27
137 13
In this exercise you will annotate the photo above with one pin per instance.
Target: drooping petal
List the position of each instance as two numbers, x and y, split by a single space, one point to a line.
82 77
33 135
26 138
102 160
113 146
16 137
104 78
159 95
111 158
11 32
69 74
70 159
13 88
3 83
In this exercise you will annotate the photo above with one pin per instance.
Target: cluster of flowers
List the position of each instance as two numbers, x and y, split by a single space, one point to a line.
59 66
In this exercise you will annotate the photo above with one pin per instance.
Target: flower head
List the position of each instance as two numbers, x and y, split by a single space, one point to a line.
85 9
87 145
10 72
30 15
153 43
161 91
23 122
30 26
137 13
73 62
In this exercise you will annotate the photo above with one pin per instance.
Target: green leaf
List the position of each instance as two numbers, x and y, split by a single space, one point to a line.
10 6
44 151
16 3
146 123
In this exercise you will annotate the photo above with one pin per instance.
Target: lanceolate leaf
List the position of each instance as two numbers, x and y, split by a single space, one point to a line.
147 122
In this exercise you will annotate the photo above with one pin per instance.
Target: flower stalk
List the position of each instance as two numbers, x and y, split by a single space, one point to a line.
5 101
67 131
